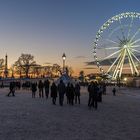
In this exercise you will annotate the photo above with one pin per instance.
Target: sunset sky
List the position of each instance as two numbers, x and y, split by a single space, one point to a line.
48 28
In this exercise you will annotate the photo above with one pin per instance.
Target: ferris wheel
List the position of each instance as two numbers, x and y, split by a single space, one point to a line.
117 45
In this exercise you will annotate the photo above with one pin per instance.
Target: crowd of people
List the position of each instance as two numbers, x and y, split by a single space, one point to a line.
47 89
71 91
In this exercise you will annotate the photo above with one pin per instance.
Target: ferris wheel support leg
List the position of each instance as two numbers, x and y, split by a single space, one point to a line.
133 64
121 67
131 67
117 67
113 63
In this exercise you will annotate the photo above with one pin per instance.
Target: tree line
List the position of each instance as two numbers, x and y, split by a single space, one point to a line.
27 67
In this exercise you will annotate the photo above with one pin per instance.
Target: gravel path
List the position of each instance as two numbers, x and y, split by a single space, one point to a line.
24 118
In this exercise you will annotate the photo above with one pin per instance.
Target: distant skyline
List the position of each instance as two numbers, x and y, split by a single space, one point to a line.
49 28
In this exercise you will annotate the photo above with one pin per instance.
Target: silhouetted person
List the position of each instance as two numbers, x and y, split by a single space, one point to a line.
68 93
90 91
71 93
47 86
100 94
61 90
104 89
40 87
12 89
93 95
77 93
2 85
54 93
114 91
34 89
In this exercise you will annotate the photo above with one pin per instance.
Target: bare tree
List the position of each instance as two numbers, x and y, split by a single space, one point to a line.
24 63
56 70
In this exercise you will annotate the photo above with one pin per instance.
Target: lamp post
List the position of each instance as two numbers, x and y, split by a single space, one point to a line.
64 58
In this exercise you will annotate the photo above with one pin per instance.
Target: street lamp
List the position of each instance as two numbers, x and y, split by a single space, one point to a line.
64 58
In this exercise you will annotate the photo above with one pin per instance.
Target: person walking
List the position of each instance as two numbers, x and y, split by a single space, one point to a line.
61 90
34 89
90 94
40 87
54 93
47 86
100 92
68 93
95 95
114 91
12 89
77 93
72 92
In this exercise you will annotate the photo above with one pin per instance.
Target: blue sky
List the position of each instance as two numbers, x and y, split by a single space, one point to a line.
47 28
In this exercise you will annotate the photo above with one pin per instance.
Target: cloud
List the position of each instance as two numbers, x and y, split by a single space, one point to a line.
47 63
108 62
90 68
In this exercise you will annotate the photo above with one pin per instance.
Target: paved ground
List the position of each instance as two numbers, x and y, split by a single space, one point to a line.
24 118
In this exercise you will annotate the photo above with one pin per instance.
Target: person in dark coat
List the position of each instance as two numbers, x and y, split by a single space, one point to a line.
34 89
77 93
53 93
114 91
47 86
61 90
93 94
40 87
104 89
12 89
72 92
90 91
68 93
100 93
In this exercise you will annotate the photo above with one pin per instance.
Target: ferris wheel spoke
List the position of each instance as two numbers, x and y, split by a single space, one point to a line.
112 41
135 57
135 50
131 67
112 48
130 27
119 66
133 64
122 29
135 34
111 54
122 63
136 41
106 47
135 46
113 63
